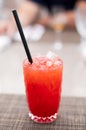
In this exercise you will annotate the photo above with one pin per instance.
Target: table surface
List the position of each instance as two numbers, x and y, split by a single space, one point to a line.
14 114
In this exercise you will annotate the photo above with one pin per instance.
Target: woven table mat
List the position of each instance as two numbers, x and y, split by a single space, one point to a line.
14 114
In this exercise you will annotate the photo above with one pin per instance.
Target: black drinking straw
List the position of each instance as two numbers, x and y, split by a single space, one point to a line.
22 36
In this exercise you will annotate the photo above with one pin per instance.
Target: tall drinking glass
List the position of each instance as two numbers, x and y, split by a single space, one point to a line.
59 21
81 28
43 79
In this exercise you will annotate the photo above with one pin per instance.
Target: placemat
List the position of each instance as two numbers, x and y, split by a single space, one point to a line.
14 114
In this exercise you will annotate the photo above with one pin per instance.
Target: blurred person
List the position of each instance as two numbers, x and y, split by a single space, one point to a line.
29 12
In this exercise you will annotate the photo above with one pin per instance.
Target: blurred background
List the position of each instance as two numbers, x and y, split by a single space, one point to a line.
68 43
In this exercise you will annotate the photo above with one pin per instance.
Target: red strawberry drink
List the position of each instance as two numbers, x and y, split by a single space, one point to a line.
43 79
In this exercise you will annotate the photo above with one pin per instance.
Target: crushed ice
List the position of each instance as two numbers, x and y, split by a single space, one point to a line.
57 62
51 55
49 63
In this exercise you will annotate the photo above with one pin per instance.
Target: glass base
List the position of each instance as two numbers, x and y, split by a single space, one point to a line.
43 119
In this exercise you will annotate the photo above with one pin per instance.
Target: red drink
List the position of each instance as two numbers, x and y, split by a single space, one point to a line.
43 80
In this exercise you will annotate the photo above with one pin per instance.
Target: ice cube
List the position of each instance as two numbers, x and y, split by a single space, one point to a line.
49 63
57 63
51 55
